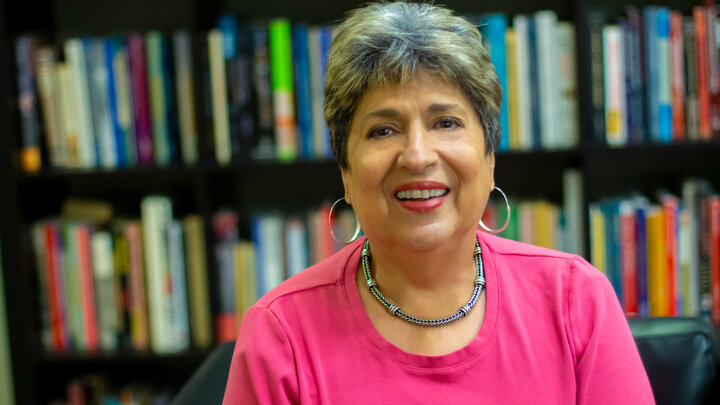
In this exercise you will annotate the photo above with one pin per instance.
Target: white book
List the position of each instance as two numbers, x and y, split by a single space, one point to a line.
297 247
49 91
615 104
567 109
156 213
178 297
100 100
545 43
69 115
75 59
689 245
221 123
105 288
185 97
573 211
273 250
520 25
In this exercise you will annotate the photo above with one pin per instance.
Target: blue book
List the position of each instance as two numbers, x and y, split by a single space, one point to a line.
113 58
534 85
634 63
97 74
493 29
171 114
303 92
257 238
611 213
664 77
652 108
641 238
325 41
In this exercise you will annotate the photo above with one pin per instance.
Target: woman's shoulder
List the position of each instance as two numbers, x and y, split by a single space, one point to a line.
327 273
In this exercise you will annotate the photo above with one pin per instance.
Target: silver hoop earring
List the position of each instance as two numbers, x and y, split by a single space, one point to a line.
330 224
507 218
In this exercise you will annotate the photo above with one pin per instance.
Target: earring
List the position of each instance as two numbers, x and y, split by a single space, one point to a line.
507 218
330 223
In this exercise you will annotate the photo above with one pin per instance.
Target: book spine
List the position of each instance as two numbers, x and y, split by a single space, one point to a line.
185 97
656 263
524 113
113 89
140 100
48 90
545 22
30 158
704 258
664 77
157 88
225 230
57 293
178 296
567 108
77 67
495 26
642 264
692 229
97 71
636 106
44 291
613 60
264 147
282 87
85 268
535 85
670 208
651 64
303 92
691 80
714 218
103 271
713 69
73 296
678 76
701 52
596 23
139 330
223 151
296 243
512 90
200 318
628 251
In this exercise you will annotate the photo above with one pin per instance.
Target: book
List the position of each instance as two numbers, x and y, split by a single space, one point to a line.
677 88
88 285
120 100
494 27
103 272
641 212
197 277
628 252
97 76
596 22
691 80
303 91
224 224
567 104
615 102
573 211
701 53
48 89
178 294
221 123
140 99
664 77
158 85
30 157
714 218
77 68
547 60
185 96
245 282
264 145
524 111
281 74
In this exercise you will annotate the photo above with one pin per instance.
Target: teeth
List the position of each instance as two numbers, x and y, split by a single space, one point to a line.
420 194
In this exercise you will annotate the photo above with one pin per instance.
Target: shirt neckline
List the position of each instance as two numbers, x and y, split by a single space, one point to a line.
475 348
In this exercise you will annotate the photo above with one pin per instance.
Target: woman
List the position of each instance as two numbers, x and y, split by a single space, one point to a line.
426 309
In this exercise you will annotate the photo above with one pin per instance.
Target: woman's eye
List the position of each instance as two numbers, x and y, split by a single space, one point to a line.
449 123
380 132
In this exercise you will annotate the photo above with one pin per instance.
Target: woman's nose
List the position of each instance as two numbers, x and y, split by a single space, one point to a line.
418 152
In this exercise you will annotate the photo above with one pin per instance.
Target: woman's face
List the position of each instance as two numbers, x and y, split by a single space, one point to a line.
417 173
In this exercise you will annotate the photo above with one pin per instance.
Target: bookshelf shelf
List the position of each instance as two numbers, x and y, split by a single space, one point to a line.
248 187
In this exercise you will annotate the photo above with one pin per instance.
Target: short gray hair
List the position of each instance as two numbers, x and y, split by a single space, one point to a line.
385 44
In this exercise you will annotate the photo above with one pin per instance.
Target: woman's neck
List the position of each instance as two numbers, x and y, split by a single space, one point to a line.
429 284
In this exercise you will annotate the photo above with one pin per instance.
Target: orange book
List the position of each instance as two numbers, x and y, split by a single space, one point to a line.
656 263
714 207
87 285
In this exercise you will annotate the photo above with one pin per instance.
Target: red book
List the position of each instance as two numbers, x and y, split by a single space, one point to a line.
53 259
87 286
628 254
701 52
713 68
227 327
678 76
714 206
141 101
670 207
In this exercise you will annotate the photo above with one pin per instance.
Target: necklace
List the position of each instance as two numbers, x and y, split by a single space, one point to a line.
396 311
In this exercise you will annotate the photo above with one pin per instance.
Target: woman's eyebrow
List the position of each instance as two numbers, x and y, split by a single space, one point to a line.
441 108
383 113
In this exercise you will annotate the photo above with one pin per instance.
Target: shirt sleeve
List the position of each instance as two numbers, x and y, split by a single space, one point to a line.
608 366
262 370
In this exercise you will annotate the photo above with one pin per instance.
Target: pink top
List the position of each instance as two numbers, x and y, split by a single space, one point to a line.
553 333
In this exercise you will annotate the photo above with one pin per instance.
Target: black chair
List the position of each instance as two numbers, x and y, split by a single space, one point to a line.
678 354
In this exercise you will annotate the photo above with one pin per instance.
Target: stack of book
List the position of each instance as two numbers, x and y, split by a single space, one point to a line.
109 284
655 75
662 257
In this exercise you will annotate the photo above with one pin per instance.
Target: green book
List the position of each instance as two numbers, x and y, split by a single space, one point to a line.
281 77
6 375
154 43
512 231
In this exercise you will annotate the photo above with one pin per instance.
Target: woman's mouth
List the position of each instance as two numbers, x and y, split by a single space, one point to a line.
421 196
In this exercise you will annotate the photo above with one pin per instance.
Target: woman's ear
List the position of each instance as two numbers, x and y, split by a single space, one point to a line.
345 174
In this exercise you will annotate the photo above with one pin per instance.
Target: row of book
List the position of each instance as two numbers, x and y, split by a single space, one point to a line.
655 75
662 256
97 389
127 100
535 60
107 283
280 245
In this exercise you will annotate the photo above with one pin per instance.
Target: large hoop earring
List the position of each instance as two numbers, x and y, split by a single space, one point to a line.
330 225
507 218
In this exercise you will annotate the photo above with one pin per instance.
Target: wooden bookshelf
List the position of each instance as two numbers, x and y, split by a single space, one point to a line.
207 186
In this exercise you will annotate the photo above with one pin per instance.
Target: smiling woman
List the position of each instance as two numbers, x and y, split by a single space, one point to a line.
425 308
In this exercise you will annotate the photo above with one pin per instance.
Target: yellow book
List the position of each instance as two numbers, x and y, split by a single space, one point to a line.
658 297
542 224
597 238
245 285
512 83
198 293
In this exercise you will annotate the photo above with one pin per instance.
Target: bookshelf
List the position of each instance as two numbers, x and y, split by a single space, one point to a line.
206 186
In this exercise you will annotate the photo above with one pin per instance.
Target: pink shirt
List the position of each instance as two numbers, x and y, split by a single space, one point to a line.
553 333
